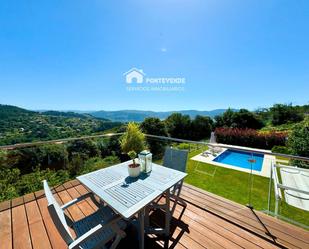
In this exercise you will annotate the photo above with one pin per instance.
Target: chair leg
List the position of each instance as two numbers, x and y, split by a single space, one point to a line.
176 195
120 234
147 213
178 200
167 214
116 241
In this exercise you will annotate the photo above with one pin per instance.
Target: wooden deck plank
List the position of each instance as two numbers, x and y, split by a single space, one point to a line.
267 220
208 222
39 194
192 244
189 230
21 234
203 228
59 188
215 233
38 233
5 205
199 240
249 223
67 185
75 182
84 206
230 231
82 191
17 201
284 232
74 211
5 229
219 230
29 197
53 234
180 246
254 228
67 213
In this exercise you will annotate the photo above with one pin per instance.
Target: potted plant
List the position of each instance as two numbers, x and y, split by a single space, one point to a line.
132 142
134 168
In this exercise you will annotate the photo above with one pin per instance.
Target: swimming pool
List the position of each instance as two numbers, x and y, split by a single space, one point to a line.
240 159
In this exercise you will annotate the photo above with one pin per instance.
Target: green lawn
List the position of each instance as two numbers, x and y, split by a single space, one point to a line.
234 185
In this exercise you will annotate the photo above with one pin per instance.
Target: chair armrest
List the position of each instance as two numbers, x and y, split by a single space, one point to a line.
93 231
76 200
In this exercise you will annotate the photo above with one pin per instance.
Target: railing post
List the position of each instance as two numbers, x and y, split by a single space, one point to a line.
276 206
270 185
250 184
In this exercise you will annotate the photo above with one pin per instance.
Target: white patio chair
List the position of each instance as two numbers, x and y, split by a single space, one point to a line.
94 231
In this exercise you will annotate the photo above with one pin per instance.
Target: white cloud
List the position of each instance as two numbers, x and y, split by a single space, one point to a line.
163 50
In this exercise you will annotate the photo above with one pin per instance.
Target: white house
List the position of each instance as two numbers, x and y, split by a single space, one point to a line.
134 75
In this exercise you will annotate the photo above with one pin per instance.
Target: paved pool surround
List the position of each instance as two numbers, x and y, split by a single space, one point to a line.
266 165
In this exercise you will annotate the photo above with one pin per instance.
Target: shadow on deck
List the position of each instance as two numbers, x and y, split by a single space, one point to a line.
209 221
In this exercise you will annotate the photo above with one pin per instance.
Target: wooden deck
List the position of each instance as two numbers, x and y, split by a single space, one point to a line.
209 221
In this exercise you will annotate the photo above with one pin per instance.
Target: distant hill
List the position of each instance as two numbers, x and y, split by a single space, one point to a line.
18 125
71 114
139 116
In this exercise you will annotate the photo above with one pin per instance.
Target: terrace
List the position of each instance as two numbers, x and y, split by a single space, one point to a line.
215 217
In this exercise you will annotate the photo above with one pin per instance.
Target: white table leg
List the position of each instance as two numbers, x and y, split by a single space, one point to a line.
141 217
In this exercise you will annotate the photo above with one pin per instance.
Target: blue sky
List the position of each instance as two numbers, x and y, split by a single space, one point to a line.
71 55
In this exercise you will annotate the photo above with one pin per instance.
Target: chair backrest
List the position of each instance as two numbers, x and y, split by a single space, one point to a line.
57 215
175 159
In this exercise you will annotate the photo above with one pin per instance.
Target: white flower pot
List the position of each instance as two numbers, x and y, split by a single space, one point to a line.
134 172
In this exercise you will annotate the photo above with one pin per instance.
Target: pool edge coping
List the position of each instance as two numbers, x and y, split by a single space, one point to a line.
265 170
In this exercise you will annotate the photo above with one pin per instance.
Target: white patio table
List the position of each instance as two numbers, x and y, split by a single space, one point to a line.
129 196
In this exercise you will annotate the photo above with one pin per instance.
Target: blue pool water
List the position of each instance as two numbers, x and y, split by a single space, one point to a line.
240 159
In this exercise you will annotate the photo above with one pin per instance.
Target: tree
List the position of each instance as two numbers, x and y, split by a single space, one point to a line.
298 142
3 158
133 139
201 127
263 114
282 114
226 119
53 156
246 119
154 126
8 179
178 125
242 119
85 149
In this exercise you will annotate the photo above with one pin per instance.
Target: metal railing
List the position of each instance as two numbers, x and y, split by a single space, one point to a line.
273 174
56 141
171 139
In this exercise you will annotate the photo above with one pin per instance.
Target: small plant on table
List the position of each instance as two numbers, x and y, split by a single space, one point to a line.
133 142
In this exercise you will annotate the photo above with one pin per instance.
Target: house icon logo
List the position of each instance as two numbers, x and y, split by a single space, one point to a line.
134 75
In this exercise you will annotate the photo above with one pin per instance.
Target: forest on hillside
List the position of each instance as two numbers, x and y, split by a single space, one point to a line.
18 125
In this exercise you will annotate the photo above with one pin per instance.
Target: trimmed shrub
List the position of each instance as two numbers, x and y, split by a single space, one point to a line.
281 149
299 142
250 138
